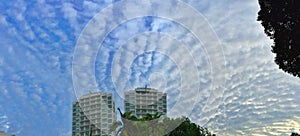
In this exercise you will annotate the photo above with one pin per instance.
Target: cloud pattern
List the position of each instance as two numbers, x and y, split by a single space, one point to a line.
38 40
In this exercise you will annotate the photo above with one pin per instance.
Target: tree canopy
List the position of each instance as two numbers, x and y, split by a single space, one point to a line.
281 20
188 128
157 125
295 134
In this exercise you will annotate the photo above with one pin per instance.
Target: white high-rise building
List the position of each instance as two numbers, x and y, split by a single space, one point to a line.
145 100
95 113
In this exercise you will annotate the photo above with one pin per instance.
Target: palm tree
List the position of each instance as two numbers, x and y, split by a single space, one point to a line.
125 127
157 115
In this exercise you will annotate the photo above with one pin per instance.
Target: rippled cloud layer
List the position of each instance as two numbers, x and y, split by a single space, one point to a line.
38 41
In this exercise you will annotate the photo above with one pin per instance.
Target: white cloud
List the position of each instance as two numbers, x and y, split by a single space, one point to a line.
258 97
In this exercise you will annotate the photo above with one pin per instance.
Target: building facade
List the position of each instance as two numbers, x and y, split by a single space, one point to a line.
2 133
145 100
93 113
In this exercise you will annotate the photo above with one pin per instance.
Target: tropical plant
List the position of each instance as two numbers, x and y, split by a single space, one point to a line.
157 125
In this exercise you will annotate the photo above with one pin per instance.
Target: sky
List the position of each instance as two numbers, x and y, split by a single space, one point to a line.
212 58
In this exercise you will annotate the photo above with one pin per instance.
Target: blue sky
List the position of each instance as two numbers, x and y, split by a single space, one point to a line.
211 57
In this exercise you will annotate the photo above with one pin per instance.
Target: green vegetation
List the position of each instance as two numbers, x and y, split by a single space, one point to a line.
157 125
188 128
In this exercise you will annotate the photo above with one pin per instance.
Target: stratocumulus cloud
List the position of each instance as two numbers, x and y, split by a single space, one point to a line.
120 57
38 42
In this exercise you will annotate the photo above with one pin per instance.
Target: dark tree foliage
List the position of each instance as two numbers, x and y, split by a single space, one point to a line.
188 128
281 20
295 134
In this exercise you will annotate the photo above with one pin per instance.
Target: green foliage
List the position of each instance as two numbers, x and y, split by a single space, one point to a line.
281 20
158 125
187 128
